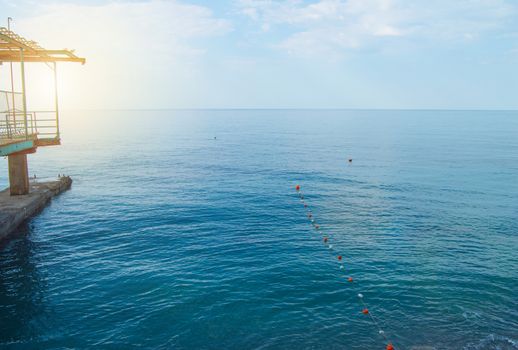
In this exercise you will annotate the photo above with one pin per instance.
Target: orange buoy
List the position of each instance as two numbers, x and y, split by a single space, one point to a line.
339 257
365 311
390 347
350 279
297 188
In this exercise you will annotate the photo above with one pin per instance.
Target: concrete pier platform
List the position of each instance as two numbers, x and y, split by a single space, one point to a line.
16 209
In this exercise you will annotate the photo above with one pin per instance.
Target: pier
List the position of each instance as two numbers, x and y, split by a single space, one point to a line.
22 130
14 210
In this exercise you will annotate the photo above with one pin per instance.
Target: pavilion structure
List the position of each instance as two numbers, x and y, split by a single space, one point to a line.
23 131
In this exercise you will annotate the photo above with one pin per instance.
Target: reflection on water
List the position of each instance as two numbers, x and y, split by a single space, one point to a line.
22 288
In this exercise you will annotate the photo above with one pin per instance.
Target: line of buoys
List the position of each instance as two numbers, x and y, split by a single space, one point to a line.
339 257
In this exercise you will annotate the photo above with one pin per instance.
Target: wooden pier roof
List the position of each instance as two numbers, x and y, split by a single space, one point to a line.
11 44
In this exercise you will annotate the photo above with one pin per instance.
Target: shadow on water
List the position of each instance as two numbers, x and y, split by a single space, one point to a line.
21 288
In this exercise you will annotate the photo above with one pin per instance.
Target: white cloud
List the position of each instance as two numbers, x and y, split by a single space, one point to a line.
154 22
134 50
334 26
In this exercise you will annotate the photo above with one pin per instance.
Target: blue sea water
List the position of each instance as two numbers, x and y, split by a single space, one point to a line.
183 231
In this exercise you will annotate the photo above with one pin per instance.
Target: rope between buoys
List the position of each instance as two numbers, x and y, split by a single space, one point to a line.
328 242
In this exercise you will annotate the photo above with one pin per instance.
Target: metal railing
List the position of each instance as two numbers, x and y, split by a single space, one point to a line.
42 125
11 101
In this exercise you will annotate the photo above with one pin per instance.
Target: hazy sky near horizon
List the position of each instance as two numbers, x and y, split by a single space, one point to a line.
278 54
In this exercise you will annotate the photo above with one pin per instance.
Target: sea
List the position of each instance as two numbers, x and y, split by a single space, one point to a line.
183 230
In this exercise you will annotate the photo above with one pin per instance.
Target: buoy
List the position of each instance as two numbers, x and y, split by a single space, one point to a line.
365 311
297 188
350 279
325 239
390 347
339 257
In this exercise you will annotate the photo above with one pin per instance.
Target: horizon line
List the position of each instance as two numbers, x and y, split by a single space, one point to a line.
295 109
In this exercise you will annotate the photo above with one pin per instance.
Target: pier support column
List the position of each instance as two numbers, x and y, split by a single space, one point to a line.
18 174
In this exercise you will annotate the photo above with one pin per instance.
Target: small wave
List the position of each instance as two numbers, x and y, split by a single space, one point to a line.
471 315
493 342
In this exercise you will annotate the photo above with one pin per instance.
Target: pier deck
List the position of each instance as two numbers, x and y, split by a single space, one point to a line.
16 209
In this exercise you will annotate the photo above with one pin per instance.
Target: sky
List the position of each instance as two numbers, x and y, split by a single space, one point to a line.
408 54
